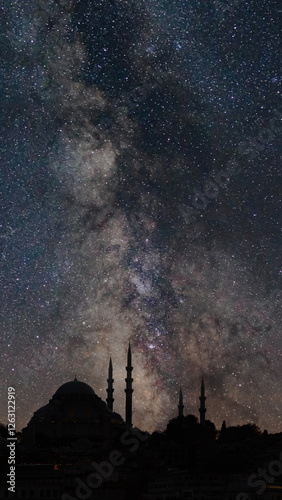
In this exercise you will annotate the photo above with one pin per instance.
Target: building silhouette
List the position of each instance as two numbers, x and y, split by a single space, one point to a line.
180 403
110 389
202 409
77 446
128 390
76 417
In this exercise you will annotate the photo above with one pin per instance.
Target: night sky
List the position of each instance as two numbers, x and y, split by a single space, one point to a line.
140 186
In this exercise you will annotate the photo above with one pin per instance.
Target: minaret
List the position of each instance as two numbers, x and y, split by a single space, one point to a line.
202 408
110 390
128 391
180 404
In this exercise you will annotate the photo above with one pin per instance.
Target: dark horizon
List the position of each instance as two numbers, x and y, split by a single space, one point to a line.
178 411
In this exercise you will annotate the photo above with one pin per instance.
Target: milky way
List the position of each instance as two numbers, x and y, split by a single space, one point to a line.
121 220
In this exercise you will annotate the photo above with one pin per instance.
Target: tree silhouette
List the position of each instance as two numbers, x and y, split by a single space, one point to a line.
237 433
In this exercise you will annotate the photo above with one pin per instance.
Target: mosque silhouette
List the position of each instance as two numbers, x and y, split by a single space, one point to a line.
75 416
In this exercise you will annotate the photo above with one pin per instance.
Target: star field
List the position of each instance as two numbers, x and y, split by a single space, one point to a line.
117 224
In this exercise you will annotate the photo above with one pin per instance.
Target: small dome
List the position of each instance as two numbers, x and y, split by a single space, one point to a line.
74 387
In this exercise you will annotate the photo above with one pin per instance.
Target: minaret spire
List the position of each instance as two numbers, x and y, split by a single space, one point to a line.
202 408
110 390
180 404
128 391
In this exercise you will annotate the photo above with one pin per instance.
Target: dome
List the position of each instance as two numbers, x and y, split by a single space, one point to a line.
74 412
74 387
